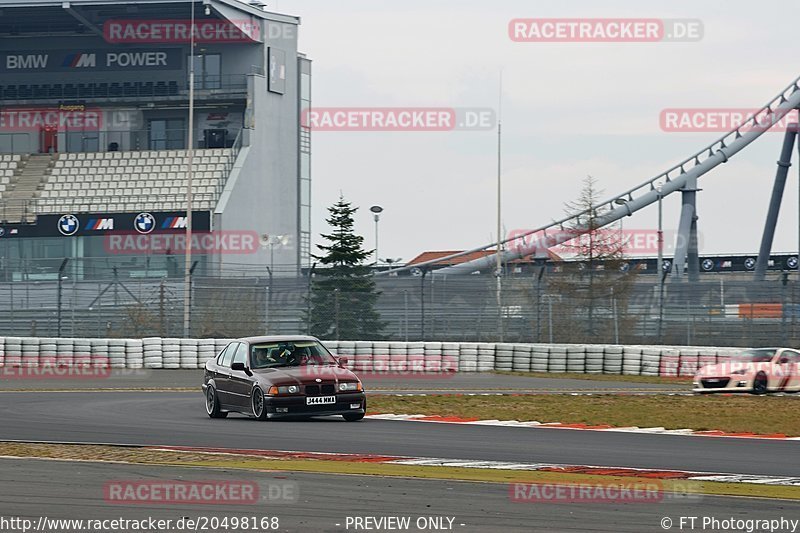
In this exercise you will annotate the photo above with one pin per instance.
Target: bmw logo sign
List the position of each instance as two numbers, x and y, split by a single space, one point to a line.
144 223
707 264
666 266
749 263
791 262
624 267
68 225
2 231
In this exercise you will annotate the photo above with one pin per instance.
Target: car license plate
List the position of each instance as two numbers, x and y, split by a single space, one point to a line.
319 400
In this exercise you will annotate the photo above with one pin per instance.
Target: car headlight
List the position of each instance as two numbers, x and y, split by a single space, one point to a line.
286 389
738 372
351 386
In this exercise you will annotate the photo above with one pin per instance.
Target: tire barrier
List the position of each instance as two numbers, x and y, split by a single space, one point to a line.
394 357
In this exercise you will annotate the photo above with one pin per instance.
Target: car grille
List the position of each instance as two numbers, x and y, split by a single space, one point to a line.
326 389
715 383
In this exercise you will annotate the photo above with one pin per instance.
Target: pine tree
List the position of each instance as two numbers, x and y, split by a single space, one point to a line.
343 293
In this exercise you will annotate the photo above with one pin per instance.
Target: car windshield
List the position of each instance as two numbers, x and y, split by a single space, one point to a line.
300 353
755 356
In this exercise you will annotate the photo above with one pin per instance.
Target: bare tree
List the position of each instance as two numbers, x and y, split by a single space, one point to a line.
596 283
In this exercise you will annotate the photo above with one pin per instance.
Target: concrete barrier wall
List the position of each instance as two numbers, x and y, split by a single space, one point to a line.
379 356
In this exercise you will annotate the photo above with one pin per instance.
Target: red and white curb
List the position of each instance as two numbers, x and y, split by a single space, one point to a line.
581 427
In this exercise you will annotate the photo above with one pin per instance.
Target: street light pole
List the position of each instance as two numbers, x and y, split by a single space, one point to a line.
376 213
498 259
60 279
661 273
187 275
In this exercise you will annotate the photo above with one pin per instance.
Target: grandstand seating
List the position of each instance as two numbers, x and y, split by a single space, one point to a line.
130 181
8 164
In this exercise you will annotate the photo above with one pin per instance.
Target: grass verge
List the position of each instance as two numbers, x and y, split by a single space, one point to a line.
753 414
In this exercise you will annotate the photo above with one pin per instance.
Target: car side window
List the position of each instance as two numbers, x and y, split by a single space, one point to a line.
789 356
241 354
227 355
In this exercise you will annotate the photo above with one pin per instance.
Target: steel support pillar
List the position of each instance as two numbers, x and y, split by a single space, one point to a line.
784 163
686 239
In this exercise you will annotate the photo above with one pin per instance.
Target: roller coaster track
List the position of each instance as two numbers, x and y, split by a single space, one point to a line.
639 197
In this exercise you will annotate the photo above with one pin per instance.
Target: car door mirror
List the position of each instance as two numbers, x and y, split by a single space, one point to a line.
343 361
241 368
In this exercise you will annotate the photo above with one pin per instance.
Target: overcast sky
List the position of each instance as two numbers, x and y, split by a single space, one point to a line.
569 109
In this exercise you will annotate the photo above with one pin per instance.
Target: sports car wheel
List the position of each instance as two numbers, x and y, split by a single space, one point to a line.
760 384
259 409
212 404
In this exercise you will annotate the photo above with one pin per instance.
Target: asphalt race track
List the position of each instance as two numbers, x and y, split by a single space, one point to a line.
178 418
34 488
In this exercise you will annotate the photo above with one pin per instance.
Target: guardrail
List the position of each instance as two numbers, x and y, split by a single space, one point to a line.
392 358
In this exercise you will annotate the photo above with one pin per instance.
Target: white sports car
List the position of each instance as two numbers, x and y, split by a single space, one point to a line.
757 371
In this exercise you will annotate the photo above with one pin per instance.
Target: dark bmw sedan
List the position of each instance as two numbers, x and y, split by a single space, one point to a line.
280 376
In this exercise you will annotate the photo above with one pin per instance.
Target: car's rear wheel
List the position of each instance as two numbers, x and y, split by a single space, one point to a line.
212 404
259 405
760 384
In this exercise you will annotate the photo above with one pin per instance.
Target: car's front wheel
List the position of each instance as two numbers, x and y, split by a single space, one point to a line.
259 405
760 384
212 404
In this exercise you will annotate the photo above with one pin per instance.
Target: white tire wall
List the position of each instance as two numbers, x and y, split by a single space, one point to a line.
486 357
595 355
576 358
416 357
171 352
30 351
153 354
523 354
504 356
558 358
612 360
468 357
540 357
433 356
450 355
632 360
13 351
651 360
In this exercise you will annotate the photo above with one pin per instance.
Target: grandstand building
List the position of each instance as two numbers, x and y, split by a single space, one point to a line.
95 126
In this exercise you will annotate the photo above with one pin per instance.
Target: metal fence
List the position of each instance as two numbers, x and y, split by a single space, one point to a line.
719 310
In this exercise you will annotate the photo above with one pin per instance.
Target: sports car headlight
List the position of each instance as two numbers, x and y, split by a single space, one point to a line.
352 386
287 389
737 372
